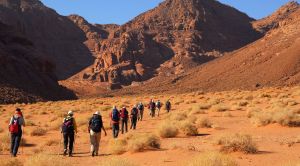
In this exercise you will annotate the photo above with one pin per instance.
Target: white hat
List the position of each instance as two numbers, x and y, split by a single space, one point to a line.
97 113
70 113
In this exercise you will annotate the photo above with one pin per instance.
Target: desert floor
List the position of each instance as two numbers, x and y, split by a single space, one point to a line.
244 112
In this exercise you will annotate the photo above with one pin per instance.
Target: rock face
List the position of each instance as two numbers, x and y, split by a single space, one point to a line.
58 37
273 60
24 75
173 37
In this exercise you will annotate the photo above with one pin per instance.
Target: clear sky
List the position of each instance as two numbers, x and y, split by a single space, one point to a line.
121 11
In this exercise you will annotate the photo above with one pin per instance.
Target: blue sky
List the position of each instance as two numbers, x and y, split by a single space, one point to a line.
121 11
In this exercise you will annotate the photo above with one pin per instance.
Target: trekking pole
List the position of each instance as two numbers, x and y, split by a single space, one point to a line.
22 143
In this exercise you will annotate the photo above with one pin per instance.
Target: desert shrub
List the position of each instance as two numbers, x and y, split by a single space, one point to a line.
167 129
4 143
237 142
116 162
52 142
56 125
11 162
178 116
283 117
38 132
106 108
188 128
118 146
212 159
45 160
141 142
204 123
1 130
30 123
220 108
243 103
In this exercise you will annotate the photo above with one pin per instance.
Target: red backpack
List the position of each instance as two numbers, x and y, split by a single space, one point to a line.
14 126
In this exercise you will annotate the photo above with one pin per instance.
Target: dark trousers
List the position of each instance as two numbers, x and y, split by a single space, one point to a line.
69 140
152 113
115 130
15 143
124 125
141 114
133 123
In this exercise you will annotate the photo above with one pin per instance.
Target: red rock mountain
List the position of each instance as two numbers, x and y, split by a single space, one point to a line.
273 60
24 75
70 47
169 39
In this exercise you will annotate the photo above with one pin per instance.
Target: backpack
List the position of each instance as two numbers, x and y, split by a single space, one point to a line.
68 126
124 113
141 107
168 105
14 127
152 105
158 104
96 124
115 115
134 112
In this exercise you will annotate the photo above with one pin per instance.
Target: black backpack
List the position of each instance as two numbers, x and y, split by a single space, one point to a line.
134 112
141 107
115 115
68 125
96 124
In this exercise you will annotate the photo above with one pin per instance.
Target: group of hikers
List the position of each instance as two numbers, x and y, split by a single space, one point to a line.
95 126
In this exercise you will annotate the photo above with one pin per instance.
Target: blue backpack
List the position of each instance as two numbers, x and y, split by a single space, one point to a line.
115 115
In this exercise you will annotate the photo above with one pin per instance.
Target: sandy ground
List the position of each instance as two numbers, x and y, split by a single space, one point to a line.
276 143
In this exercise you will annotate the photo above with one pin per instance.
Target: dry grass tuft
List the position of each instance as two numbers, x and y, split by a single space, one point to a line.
116 162
220 108
45 160
141 142
4 143
204 123
283 117
212 159
38 132
167 129
52 142
11 162
188 128
118 146
237 143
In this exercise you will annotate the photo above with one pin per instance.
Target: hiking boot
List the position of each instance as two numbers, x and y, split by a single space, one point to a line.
70 155
65 152
93 153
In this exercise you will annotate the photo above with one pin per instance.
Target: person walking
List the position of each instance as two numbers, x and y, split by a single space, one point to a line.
134 117
115 118
15 127
141 111
95 127
158 106
69 129
152 108
124 119
168 106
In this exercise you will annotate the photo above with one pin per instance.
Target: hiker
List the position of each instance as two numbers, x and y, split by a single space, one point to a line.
134 117
69 129
168 106
115 118
95 127
124 119
141 111
152 108
158 106
15 128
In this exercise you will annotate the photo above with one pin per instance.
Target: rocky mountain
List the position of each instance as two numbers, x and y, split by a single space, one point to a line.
273 60
168 40
70 47
24 75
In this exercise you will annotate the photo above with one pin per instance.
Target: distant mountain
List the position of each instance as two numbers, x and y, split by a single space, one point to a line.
60 39
24 75
168 40
274 60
